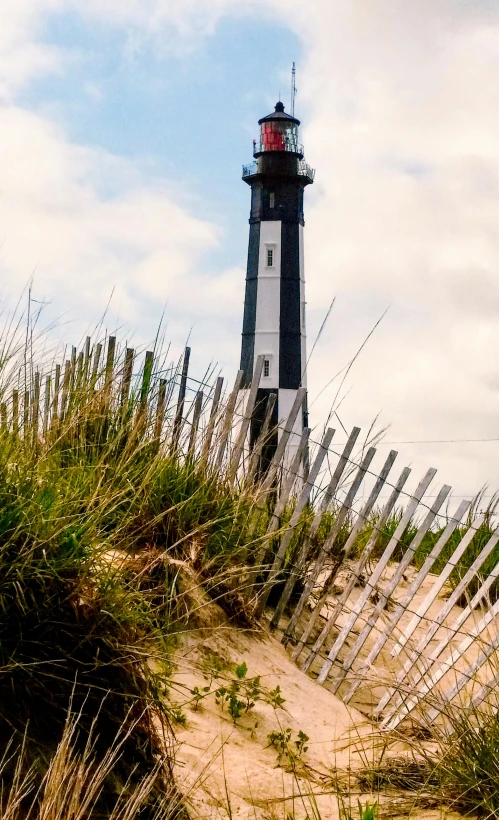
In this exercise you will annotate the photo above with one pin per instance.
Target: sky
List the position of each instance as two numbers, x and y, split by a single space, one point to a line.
123 128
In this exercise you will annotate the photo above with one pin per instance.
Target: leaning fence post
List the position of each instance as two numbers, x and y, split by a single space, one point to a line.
177 424
195 423
212 419
270 478
160 410
127 379
262 438
384 595
26 415
46 407
333 485
15 412
301 503
327 546
361 520
370 586
35 407
401 607
417 654
245 421
227 419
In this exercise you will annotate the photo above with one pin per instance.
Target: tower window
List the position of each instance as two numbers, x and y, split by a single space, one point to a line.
266 368
272 200
270 257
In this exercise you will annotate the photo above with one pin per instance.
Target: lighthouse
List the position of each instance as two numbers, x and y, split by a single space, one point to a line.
274 304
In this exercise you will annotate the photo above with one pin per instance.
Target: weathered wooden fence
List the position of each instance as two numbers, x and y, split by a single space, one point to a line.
381 633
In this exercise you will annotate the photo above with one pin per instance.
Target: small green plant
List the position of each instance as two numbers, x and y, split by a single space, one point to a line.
282 742
300 743
369 811
176 713
228 696
198 695
240 687
275 698
241 670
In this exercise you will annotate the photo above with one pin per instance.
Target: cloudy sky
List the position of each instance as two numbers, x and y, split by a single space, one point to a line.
123 127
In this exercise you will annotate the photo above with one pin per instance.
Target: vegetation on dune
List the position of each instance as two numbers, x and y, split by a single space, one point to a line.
95 518
108 517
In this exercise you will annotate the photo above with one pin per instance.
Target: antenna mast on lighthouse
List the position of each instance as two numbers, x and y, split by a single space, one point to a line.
293 90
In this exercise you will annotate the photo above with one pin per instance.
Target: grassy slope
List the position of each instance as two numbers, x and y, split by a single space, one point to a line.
86 633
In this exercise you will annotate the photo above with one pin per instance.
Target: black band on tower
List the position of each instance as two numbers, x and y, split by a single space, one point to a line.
249 319
290 364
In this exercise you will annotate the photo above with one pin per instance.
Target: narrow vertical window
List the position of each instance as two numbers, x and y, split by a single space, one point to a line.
270 257
266 368
272 200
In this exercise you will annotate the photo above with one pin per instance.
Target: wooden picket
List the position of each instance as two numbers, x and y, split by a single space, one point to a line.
361 520
418 659
403 605
301 502
385 594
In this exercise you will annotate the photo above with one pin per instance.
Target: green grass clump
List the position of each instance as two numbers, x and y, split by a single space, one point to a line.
98 513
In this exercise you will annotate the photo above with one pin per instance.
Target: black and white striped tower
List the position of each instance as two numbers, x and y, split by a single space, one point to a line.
274 305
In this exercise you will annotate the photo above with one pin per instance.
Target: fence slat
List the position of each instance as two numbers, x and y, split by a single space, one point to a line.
278 456
260 443
96 365
3 417
386 593
408 706
15 412
210 427
301 503
415 585
237 450
331 539
86 364
146 381
489 686
198 406
438 585
287 486
177 423
35 406
373 580
401 607
66 382
160 410
127 378
26 414
227 419
418 654
333 484
270 480
46 407
359 523
472 669
108 377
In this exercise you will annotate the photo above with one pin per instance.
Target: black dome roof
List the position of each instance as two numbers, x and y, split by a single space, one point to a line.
279 114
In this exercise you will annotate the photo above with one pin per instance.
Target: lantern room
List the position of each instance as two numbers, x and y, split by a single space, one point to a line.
278 132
